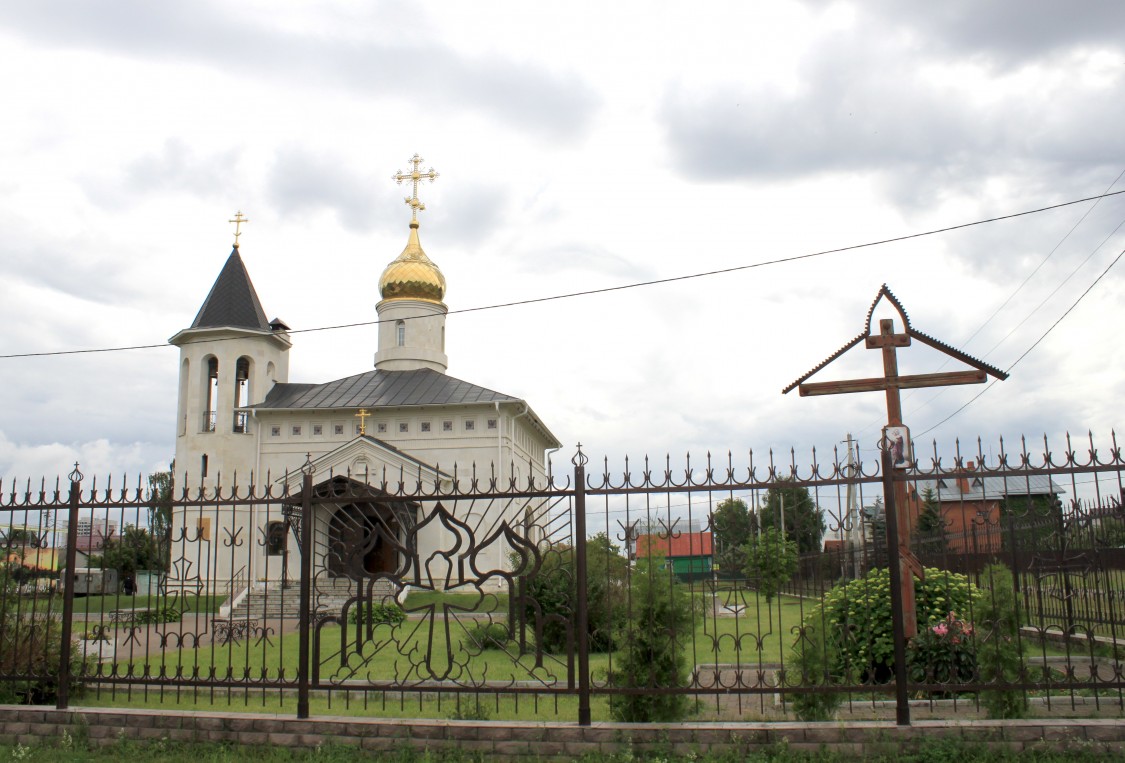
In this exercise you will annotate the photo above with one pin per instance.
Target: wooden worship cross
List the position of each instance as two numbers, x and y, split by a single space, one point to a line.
363 415
415 176
892 382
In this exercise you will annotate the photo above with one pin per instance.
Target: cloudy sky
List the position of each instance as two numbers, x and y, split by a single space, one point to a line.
581 146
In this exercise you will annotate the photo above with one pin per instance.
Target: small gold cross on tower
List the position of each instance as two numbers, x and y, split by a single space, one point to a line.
238 221
363 415
415 176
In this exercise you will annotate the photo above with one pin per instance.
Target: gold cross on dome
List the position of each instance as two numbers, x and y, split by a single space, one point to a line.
415 176
238 220
363 415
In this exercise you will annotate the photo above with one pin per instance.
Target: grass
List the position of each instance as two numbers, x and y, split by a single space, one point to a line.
85 606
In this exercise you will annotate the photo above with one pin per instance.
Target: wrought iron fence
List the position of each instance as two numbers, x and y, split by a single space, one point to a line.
720 588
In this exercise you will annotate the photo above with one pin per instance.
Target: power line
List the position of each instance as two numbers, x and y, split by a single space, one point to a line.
623 287
1033 346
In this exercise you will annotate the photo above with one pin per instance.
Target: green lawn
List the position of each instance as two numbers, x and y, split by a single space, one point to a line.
89 607
421 649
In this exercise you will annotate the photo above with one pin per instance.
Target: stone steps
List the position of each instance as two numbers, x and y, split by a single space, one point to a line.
329 597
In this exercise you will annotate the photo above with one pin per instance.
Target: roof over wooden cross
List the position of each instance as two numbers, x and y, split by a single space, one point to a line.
887 339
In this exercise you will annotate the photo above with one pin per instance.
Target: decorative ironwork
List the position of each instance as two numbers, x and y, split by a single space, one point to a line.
426 591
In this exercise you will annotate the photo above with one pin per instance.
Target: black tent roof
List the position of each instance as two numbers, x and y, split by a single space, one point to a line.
232 301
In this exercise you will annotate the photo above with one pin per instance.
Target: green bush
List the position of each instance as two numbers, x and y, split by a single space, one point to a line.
815 663
849 637
153 616
653 649
377 614
999 648
551 603
486 635
860 611
31 651
772 560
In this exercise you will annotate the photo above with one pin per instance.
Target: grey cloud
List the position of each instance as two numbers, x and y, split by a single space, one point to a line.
870 111
302 181
1006 32
575 256
44 261
176 167
559 107
468 214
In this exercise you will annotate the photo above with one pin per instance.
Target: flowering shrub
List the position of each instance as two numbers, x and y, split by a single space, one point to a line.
943 653
850 636
860 613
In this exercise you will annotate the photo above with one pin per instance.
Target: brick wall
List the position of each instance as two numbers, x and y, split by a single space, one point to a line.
514 740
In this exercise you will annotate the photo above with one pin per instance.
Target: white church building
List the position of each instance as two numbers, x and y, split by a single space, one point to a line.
240 417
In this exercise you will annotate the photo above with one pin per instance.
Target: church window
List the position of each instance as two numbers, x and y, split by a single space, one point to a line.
357 429
203 466
338 429
275 431
492 423
241 393
276 539
318 429
403 427
400 333
296 430
447 426
425 426
212 394
470 425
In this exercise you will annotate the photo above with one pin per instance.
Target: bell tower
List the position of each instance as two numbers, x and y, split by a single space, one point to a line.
230 357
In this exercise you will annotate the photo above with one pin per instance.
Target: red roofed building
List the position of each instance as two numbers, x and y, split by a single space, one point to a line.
688 554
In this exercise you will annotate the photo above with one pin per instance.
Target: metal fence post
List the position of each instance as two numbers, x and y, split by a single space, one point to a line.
63 696
306 590
898 611
581 624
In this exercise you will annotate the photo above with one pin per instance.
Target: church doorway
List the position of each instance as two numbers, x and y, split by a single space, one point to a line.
363 541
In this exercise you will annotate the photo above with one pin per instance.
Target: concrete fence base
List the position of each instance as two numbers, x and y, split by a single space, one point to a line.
512 740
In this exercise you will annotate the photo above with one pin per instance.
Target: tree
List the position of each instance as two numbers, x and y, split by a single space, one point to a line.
552 600
875 516
802 518
654 649
732 526
136 549
930 520
772 559
160 494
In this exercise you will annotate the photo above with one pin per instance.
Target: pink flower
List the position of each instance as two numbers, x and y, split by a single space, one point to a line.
941 629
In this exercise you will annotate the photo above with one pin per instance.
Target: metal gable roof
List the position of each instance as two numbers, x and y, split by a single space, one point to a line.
982 488
378 389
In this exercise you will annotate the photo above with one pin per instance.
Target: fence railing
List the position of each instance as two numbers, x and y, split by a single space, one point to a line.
716 589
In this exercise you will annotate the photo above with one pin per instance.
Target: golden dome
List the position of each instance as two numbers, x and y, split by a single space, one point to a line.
412 275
